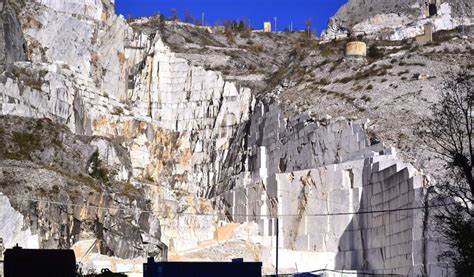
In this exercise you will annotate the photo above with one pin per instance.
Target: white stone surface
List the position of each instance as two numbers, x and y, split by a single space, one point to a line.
90 8
399 25
11 227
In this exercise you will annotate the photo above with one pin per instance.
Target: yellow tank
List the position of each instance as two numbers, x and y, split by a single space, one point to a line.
356 48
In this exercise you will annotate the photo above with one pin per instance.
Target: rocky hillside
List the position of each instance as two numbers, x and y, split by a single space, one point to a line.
393 88
395 20
66 189
149 137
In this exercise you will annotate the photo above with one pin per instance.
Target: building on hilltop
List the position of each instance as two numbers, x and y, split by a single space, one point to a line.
430 8
356 49
267 26
427 35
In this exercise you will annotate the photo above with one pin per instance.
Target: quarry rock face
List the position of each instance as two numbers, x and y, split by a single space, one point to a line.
317 175
120 147
12 42
396 20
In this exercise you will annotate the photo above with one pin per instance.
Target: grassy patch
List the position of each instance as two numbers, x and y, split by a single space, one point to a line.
128 190
324 82
254 48
327 51
371 72
26 143
345 80
375 53
333 48
339 95
32 79
117 111
416 64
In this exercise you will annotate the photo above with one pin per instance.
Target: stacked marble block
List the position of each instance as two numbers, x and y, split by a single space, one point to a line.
398 242
283 141
376 241
319 176
293 141
382 242
389 236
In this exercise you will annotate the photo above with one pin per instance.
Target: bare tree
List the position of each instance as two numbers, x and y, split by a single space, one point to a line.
174 15
190 18
308 24
448 132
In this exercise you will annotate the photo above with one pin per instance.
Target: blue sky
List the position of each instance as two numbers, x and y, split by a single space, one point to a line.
256 11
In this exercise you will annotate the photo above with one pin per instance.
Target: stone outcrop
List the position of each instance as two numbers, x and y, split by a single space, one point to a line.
12 227
66 190
395 20
12 43
174 120
316 175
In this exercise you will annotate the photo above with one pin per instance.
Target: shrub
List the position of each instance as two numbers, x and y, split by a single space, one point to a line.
117 111
324 81
247 33
403 72
26 143
333 67
345 80
256 48
230 36
162 22
374 53
327 51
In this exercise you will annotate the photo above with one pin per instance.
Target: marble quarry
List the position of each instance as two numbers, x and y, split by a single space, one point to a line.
335 194
193 142
395 20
